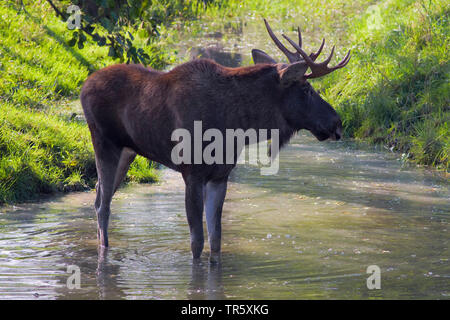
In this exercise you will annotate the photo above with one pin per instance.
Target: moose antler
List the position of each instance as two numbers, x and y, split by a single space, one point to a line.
293 56
317 69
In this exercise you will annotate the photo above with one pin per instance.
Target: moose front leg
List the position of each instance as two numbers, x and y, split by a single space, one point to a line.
214 194
194 213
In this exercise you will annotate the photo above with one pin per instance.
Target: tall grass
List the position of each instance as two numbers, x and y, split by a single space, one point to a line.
41 154
396 89
44 147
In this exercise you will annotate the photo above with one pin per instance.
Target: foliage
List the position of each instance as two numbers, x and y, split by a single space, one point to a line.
111 23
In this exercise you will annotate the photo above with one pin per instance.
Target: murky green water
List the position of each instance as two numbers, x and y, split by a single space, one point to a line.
309 232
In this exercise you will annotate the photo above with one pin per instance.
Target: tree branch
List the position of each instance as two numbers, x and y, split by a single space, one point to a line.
58 12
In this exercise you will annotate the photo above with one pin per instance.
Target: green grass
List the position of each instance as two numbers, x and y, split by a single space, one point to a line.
42 154
396 89
44 148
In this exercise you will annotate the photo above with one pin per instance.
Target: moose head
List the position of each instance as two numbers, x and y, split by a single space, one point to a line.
303 107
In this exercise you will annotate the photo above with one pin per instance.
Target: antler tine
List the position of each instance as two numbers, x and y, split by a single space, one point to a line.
299 37
292 56
344 61
319 69
299 50
313 55
341 64
327 60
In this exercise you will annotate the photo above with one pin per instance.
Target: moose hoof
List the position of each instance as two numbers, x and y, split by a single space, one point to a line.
214 257
196 248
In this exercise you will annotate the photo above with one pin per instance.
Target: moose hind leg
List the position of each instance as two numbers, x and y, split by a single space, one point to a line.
127 156
107 158
194 213
215 192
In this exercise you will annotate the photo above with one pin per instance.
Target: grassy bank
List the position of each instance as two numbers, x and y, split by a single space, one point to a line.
396 89
44 146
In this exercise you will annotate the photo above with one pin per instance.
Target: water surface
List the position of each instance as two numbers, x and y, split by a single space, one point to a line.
309 232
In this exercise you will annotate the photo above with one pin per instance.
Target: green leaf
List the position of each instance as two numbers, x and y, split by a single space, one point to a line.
72 42
101 41
112 52
82 37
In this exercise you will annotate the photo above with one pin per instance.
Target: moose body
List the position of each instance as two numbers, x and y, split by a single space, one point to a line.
133 110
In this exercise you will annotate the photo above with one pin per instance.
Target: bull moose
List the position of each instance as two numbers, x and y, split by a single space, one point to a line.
133 110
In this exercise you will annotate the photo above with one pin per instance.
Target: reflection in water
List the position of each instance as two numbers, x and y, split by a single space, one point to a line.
206 282
309 232
216 52
106 282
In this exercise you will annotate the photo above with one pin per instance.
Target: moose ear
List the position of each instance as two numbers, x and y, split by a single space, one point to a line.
291 73
260 56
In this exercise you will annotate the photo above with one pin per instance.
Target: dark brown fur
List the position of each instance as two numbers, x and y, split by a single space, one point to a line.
139 108
134 110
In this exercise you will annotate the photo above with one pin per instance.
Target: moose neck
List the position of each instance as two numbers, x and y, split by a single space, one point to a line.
256 98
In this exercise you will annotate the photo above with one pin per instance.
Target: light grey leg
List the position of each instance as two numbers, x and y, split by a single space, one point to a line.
215 195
